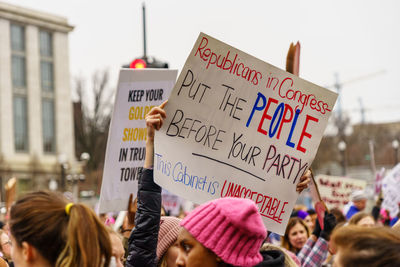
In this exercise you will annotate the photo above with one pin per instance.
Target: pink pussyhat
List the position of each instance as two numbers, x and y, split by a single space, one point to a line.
230 227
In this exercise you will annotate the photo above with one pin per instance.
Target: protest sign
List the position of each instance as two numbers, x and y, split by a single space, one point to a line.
138 91
171 203
378 180
336 191
391 191
237 126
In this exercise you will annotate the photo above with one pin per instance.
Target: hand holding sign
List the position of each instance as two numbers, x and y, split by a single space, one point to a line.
304 181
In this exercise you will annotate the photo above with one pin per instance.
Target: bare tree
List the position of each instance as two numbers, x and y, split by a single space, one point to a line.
92 115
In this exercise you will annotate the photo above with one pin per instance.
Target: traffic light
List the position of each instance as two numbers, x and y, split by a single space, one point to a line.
138 64
146 62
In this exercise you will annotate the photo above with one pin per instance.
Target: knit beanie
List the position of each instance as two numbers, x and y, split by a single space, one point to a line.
230 227
302 214
169 231
358 195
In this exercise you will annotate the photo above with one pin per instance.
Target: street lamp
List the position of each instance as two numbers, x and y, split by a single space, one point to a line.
342 149
395 145
77 176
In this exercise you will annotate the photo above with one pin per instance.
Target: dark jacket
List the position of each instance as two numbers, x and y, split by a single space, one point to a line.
143 240
272 258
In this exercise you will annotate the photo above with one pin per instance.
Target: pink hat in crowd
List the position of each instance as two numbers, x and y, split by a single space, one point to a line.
167 235
231 227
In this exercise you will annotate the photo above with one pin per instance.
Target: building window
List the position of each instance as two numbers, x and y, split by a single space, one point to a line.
47 84
46 75
18 73
48 125
20 123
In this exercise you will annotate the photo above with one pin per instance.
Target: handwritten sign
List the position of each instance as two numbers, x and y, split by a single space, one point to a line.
391 191
138 91
239 127
171 203
336 191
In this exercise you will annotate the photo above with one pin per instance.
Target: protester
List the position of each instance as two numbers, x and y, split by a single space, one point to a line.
5 247
143 240
313 215
377 207
384 217
360 246
226 231
306 218
46 230
362 219
151 241
340 218
118 251
316 249
395 219
296 235
167 246
286 258
359 201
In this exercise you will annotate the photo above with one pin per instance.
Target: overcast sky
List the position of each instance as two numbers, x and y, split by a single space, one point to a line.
351 38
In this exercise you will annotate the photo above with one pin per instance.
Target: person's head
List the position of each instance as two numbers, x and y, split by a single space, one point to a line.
359 199
358 246
222 232
118 251
287 255
313 215
362 219
5 245
306 218
167 246
46 230
338 215
296 235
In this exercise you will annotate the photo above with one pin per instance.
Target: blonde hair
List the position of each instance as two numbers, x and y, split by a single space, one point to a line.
163 261
77 239
356 218
289 262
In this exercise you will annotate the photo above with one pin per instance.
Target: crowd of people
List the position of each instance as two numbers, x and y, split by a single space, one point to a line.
45 229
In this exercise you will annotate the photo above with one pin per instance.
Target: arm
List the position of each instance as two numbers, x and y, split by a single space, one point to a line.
317 255
317 251
143 239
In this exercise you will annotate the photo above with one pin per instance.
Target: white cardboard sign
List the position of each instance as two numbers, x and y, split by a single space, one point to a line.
391 191
232 130
336 191
138 91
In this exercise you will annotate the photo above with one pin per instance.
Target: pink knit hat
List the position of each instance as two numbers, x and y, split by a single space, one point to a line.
231 227
169 230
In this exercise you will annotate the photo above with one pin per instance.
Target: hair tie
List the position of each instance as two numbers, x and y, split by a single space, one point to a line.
68 208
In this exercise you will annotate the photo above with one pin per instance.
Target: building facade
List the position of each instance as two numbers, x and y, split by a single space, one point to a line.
36 115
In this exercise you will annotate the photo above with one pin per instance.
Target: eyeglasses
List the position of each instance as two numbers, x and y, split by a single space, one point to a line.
7 242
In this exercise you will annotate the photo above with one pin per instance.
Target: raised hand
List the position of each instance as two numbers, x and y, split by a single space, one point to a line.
154 120
304 181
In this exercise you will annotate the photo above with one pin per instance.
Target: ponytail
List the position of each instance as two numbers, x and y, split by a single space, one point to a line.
64 234
88 242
